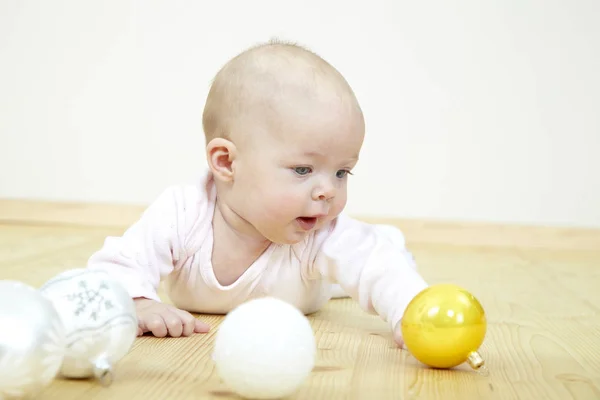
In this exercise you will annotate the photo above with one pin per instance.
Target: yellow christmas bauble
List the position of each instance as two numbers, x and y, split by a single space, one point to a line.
443 326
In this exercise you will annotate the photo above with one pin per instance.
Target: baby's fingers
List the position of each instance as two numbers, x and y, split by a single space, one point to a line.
175 324
399 340
191 324
201 327
398 336
154 323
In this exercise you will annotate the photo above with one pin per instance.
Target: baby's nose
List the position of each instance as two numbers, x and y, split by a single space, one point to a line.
324 192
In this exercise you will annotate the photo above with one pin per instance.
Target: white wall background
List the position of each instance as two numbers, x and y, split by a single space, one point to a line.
475 110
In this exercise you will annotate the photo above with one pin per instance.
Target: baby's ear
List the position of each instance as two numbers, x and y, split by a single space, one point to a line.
220 154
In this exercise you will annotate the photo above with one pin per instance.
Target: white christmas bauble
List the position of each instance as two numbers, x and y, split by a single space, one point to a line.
264 349
99 318
32 341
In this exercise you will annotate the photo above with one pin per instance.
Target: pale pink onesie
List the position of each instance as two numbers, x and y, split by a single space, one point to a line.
173 241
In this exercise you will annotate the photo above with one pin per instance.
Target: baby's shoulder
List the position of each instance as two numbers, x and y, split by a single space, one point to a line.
190 199
186 210
182 200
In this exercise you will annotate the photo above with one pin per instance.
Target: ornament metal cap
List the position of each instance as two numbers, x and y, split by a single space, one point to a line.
103 371
475 360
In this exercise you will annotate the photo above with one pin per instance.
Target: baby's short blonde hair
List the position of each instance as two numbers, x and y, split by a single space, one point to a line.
253 81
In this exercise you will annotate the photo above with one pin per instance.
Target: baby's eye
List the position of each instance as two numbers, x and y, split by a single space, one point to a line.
302 170
342 173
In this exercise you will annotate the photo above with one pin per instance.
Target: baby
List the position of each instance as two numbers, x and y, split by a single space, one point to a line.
283 132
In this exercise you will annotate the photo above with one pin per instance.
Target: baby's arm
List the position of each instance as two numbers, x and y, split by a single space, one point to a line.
147 252
372 265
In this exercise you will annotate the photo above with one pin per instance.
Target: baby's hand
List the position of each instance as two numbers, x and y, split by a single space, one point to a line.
164 319
398 336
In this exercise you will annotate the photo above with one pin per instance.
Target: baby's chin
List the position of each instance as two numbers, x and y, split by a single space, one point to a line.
298 236
289 239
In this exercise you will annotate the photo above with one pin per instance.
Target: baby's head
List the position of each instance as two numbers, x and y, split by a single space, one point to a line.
283 129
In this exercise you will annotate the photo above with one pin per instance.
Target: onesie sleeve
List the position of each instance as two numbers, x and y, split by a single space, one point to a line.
148 250
371 264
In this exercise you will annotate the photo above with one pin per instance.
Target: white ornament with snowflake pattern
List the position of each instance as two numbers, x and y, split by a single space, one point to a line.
32 341
99 318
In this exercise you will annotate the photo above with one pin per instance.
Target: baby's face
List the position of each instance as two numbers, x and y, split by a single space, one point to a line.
293 179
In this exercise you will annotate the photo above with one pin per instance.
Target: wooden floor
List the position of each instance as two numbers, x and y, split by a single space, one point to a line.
540 293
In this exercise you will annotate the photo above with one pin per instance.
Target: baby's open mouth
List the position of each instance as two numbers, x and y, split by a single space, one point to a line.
307 223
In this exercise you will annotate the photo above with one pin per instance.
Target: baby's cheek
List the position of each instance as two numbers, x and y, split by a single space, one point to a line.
282 204
339 203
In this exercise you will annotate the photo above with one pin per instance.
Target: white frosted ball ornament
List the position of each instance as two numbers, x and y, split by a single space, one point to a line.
99 318
32 340
264 349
